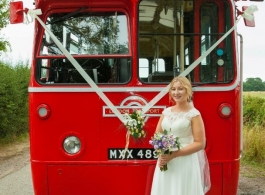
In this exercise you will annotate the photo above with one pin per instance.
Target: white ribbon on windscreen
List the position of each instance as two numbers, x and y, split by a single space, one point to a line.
247 14
32 14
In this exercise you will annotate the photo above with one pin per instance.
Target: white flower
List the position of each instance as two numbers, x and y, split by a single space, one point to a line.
126 116
132 122
139 112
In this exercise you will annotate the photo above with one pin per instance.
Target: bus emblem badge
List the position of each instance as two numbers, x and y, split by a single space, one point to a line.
131 103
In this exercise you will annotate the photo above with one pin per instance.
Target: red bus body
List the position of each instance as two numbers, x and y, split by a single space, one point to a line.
75 109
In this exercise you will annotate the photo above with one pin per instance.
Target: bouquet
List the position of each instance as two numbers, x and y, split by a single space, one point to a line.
164 143
135 123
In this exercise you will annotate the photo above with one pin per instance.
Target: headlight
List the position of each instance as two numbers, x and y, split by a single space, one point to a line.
72 145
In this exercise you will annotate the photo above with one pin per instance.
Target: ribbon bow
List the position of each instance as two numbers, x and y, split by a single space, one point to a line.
30 15
248 13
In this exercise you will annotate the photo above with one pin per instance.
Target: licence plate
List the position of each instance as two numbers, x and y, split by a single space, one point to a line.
131 154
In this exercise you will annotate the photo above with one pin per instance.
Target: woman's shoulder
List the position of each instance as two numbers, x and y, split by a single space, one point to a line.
167 110
194 112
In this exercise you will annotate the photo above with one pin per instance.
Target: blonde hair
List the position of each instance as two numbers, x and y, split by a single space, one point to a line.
186 84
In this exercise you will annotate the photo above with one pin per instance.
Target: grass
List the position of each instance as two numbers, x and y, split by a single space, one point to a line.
253 145
9 141
254 133
252 169
260 94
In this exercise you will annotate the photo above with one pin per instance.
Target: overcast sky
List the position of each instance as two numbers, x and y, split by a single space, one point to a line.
21 38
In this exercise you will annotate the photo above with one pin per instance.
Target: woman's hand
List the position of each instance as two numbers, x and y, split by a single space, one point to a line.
165 158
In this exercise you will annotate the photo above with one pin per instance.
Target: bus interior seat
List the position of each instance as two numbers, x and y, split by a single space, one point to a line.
161 76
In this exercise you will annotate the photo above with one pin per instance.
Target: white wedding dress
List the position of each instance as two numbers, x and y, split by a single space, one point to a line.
183 176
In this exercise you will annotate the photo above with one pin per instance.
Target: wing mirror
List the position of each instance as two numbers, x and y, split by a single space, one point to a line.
16 12
248 22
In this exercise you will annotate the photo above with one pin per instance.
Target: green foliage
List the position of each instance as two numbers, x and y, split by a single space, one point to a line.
254 132
95 34
4 44
4 20
4 13
253 111
13 100
253 145
253 84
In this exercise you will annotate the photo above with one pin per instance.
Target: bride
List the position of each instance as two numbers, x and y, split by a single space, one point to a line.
188 169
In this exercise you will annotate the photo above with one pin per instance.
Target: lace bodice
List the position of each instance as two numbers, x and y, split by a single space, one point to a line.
179 123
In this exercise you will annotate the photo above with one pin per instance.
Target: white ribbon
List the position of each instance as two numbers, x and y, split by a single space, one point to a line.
33 14
247 14
30 15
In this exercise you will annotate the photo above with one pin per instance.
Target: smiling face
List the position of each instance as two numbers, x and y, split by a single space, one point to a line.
180 90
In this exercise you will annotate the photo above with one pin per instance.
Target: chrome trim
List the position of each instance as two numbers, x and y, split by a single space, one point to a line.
124 89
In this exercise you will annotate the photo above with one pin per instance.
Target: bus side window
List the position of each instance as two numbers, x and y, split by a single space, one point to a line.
143 69
156 70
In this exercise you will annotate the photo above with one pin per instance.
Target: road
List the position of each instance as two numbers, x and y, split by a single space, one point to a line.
17 183
15 174
20 183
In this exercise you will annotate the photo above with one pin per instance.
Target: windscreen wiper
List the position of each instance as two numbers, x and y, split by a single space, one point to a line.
63 18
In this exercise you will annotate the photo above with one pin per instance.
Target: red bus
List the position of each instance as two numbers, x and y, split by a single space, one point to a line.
116 56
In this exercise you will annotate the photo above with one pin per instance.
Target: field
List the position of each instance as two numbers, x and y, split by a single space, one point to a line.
254 128
260 94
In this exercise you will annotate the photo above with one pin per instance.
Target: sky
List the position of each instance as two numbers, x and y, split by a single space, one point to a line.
20 37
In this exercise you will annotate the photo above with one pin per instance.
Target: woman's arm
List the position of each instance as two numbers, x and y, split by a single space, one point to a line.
198 135
159 126
198 132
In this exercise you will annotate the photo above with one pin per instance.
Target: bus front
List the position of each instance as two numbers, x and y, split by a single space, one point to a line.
94 61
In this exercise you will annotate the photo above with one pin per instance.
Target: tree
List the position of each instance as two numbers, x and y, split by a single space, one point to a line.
4 20
253 84
94 34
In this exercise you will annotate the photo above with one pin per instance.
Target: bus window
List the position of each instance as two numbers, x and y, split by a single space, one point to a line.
162 39
167 31
209 25
143 69
158 65
217 66
154 73
103 70
187 56
86 34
